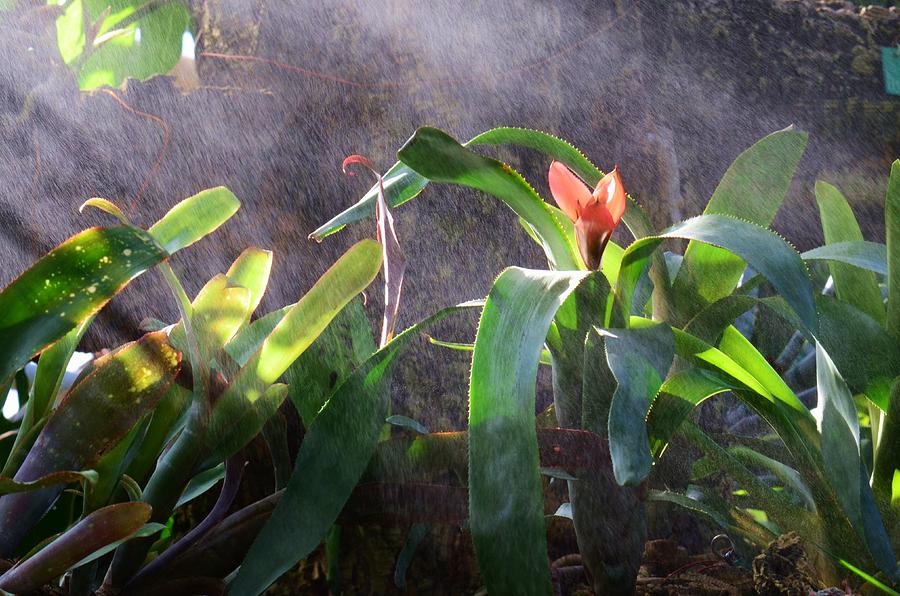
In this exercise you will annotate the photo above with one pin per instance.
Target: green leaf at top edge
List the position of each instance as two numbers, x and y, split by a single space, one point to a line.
753 188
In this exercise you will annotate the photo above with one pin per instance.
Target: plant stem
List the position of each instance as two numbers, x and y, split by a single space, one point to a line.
172 475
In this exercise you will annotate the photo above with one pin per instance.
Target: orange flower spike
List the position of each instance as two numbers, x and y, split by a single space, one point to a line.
595 215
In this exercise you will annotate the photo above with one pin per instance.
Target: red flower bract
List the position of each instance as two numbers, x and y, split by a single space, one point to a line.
595 215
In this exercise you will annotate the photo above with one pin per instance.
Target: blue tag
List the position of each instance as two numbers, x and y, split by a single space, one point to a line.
890 61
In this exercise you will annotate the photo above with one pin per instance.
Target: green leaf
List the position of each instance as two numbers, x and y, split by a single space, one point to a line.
870 256
401 184
52 369
201 483
251 270
219 311
786 474
232 434
237 409
677 398
506 502
639 359
866 356
859 288
70 38
843 467
145 531
764 250
48 379
869 578
578 405
740 350
99 529
167 419
93 417
892 239
194 217
730 520
120 55
67 286
634 218
345 344
407 423
438 157
780 408
334 454
778 505
106 206
752 189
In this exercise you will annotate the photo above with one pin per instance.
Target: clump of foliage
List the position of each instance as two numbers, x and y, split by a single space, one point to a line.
636 346
158 421
636 337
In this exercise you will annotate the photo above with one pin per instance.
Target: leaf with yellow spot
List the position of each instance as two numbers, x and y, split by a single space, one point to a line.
68 285
91 420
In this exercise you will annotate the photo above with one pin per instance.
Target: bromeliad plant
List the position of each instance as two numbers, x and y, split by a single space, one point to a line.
646 329
146 429
857 409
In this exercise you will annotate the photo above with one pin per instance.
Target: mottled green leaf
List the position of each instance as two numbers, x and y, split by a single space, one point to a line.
93 417
68 285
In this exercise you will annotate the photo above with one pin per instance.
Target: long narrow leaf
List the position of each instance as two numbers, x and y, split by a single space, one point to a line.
507 519
752 189
892 240
99 529
859 288
870 256
843 466
335 451
437 156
